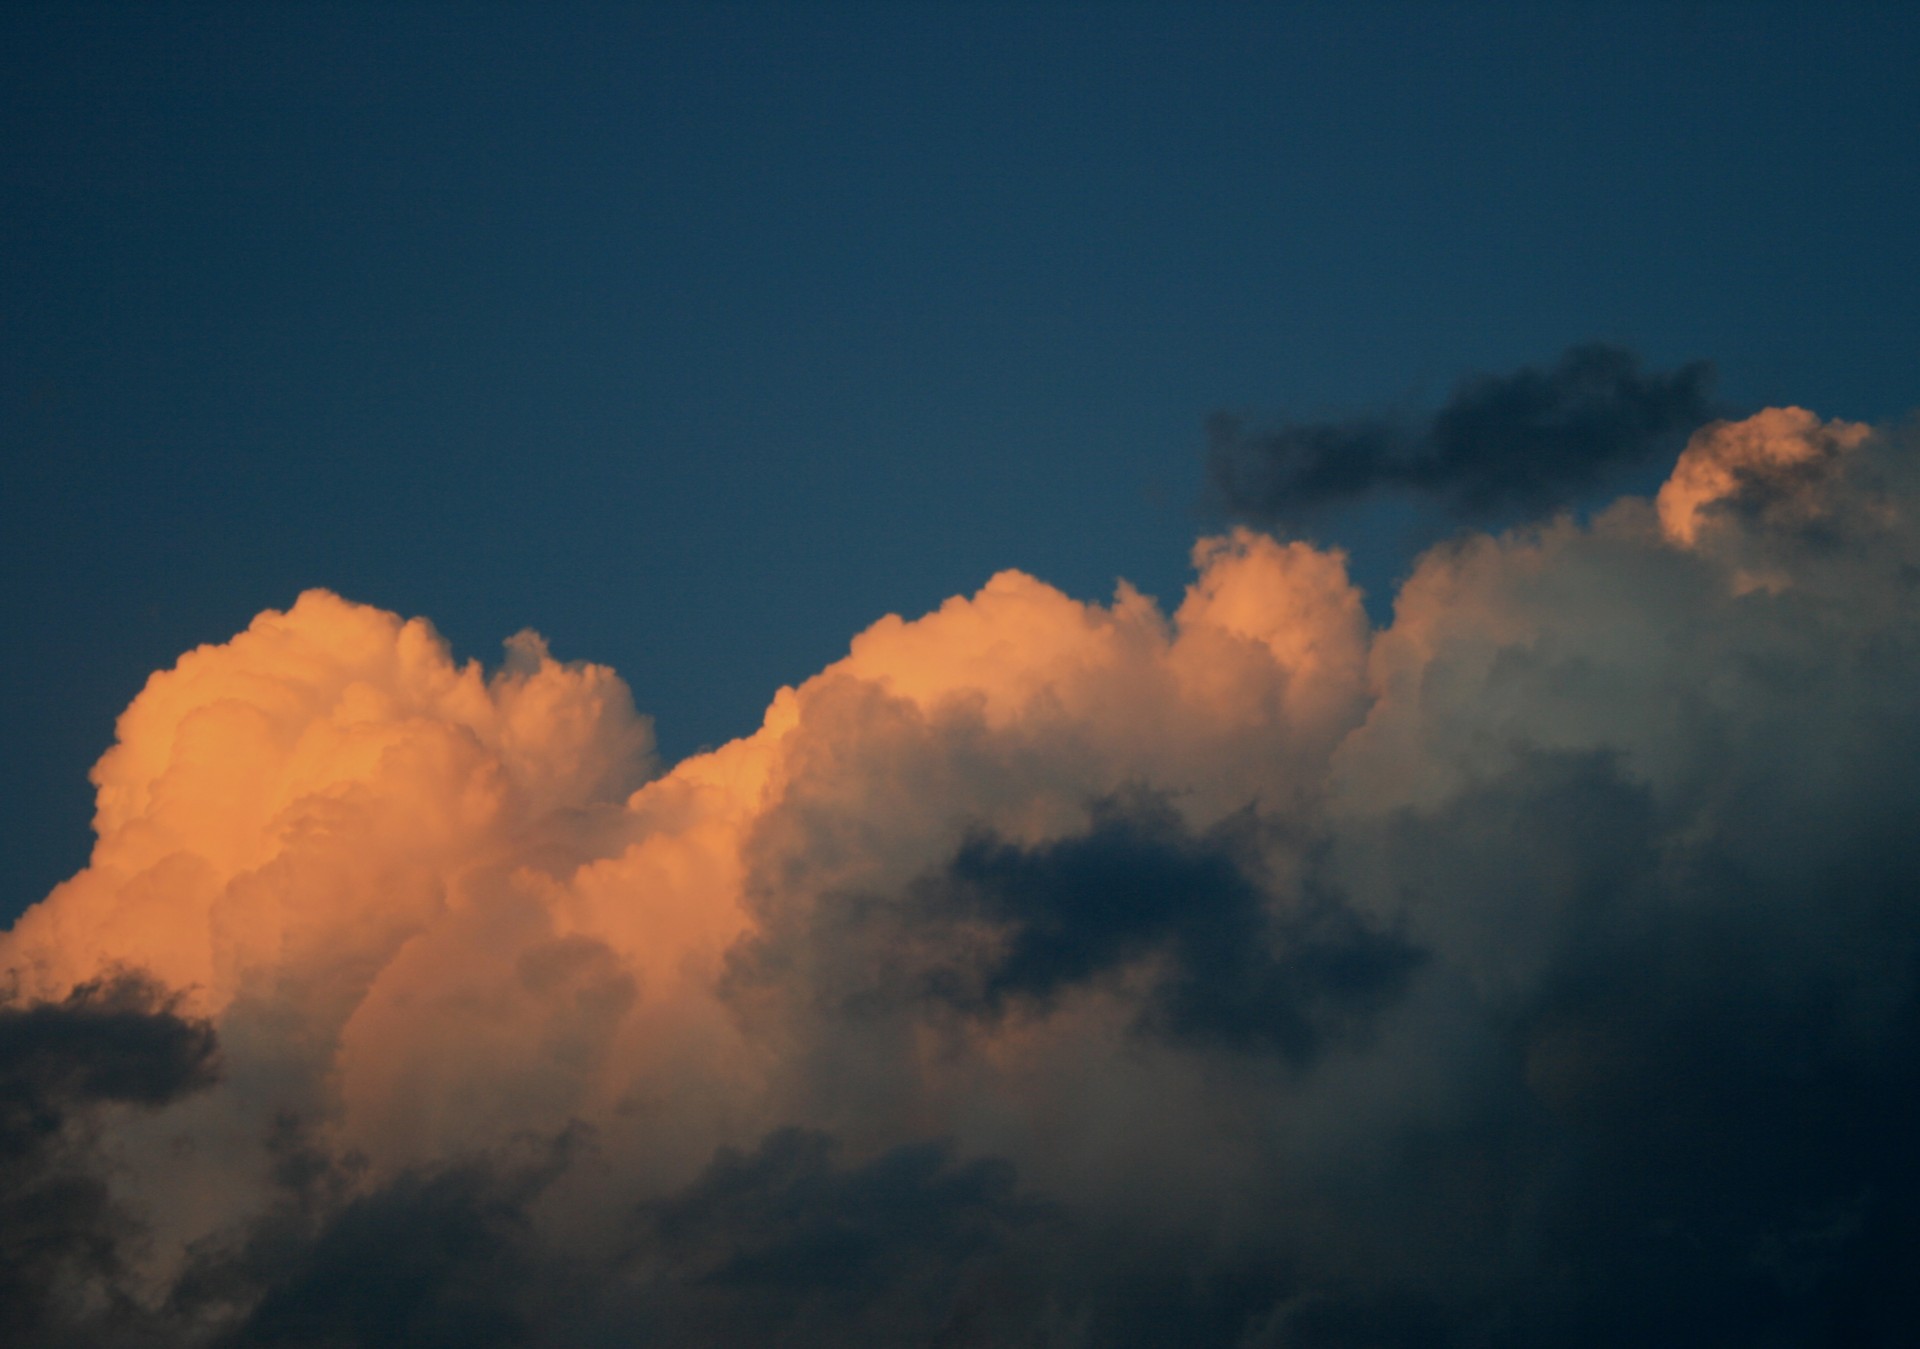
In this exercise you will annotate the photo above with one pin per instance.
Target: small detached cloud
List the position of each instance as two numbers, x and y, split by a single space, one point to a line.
1502 444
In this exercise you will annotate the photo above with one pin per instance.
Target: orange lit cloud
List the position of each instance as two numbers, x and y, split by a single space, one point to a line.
1772 451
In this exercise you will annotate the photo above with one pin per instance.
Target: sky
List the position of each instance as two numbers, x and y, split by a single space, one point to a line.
771 320
1226 672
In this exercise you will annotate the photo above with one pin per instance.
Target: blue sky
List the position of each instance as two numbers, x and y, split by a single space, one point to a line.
700 338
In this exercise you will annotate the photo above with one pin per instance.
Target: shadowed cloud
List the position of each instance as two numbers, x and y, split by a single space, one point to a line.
1239 966
1528 441
63 1238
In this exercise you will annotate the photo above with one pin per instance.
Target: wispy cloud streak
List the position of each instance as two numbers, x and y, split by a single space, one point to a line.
1525 442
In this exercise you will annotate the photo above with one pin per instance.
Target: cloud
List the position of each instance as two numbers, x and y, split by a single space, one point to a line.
782 1245
64 1242
1541 967
1772 462
1526 442
1005 929
439 1257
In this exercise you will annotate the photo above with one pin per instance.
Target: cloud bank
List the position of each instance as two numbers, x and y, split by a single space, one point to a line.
1543 967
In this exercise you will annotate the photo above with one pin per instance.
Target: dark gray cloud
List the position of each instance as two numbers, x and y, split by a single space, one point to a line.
1241 966
63 1238
1528 441
114 1040
786 1245
1240 962
780 1244
1694 1123
439 1258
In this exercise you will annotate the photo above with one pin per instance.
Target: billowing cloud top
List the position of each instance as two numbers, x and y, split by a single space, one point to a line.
1538 969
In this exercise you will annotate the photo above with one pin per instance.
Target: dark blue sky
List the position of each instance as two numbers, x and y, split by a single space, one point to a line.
698 339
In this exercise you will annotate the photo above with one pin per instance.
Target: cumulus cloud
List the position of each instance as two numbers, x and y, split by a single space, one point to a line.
1772 462
1528 441
1542 967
